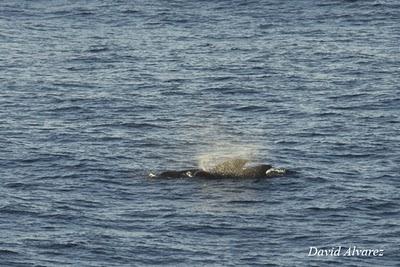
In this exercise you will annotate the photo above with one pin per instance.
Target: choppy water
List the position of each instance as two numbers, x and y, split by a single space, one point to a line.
95 94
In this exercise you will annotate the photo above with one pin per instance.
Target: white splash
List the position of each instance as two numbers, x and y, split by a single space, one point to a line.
227 157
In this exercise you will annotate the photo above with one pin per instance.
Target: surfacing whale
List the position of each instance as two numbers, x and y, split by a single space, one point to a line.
233 168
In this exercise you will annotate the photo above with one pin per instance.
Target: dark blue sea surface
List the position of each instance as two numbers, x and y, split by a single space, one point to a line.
96 94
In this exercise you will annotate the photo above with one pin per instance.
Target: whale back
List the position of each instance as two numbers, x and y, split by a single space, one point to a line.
231 167
237 168
256 171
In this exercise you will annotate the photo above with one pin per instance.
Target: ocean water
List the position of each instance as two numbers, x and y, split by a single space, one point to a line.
96 94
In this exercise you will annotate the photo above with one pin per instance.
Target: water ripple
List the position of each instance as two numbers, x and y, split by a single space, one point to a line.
94 95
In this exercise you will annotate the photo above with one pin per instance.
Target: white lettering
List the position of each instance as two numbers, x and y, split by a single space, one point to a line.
311 249
347 253
380 252
351 251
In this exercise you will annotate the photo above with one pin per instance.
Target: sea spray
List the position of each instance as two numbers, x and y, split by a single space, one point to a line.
226 157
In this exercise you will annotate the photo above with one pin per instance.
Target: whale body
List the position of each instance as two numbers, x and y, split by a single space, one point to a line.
228 169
